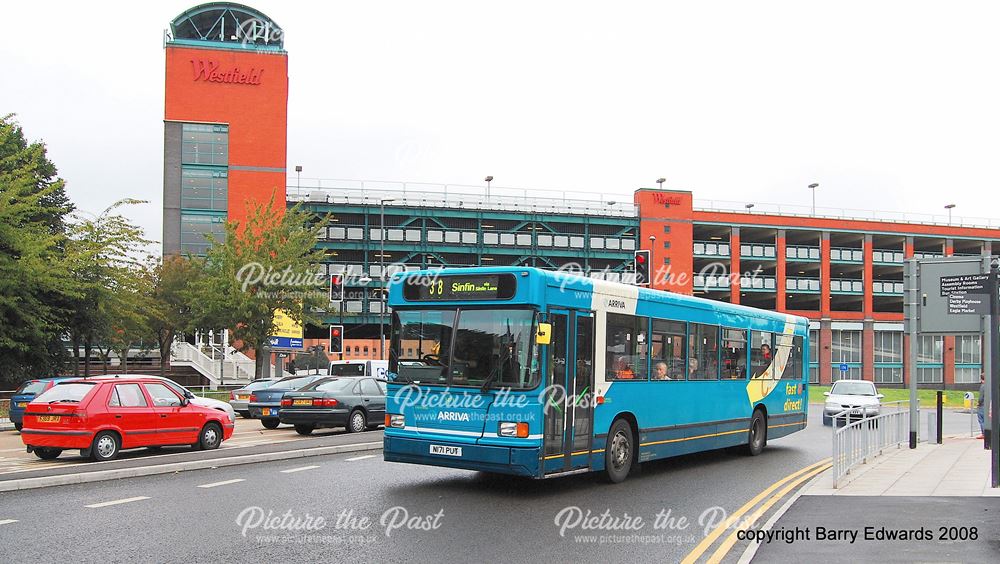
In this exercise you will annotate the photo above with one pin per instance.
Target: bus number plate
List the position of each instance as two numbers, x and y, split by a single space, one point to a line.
446 450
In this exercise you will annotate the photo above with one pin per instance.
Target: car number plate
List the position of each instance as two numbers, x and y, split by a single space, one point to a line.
22 404
446 450
48 418
302 402
266 411
242 397
855 412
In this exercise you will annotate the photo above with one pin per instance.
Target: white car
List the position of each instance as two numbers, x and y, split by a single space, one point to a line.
851 400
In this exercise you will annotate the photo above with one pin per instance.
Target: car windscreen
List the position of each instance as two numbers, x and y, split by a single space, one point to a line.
338 385
72 392
292 383
853 389
257 385
32 387
357 369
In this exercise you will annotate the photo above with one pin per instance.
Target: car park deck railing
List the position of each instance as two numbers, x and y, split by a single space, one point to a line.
858 442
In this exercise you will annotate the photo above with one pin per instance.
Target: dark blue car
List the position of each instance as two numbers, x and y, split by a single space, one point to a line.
265 404
27 392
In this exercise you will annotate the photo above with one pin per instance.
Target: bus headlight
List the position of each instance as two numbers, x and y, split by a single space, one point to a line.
511 429
395 421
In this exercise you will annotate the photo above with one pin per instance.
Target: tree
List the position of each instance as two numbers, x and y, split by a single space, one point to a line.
35 285
171 282
105 255
263 265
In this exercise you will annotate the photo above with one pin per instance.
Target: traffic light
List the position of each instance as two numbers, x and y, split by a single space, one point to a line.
336 339
336 289
642 277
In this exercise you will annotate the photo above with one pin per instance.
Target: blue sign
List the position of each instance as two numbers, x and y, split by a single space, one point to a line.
285 343
844 367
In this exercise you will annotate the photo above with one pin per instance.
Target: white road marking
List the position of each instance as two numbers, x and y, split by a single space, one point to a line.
360 457
117 502
223 483
7 521
290 470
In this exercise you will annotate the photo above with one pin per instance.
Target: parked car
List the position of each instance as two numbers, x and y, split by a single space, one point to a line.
851 400
181 390
240 399
27 392
355 403
103 416
371 368
265 404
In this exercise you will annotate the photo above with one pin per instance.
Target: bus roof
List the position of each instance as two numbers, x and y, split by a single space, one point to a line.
576 282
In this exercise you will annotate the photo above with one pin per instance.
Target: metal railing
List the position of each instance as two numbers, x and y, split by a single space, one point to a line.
524 200
858 442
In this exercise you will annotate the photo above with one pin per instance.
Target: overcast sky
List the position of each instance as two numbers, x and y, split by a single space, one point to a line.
888 105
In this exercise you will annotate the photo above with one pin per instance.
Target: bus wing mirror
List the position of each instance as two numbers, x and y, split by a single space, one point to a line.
544 334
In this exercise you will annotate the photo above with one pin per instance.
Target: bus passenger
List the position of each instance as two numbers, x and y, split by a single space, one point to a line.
622 369
660 372
692 368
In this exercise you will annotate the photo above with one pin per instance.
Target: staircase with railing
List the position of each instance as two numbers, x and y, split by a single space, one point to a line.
217 364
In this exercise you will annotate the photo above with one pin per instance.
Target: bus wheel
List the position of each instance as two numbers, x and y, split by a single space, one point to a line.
757 437
618 453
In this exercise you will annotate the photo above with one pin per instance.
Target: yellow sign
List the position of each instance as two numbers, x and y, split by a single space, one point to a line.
544 335
287 332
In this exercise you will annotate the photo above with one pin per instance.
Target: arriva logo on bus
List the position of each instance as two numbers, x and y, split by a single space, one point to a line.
453 416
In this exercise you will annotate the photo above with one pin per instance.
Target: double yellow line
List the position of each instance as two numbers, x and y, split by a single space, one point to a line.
789 482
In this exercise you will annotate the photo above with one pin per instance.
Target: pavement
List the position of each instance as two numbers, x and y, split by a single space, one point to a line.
929 504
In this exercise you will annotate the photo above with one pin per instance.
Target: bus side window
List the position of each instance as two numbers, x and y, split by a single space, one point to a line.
793 366
761 347
669 349
734 361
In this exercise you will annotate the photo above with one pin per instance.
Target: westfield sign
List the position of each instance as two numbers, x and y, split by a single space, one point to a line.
209 71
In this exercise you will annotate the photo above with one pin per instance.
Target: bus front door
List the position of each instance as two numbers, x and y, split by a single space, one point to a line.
569 409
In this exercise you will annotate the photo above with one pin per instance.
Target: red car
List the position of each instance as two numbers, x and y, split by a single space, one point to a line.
102 417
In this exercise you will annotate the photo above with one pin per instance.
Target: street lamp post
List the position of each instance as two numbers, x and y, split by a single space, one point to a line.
749 207
381 259
949 207
298 180
660 181
488 180
813 187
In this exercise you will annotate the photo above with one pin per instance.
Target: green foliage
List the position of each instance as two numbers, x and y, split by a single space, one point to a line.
171 281
263 265
35 284
105 256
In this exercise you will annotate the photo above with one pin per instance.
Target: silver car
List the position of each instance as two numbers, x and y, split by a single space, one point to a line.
851 400
240 399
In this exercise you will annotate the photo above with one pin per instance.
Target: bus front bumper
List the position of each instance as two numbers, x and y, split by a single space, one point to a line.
502 460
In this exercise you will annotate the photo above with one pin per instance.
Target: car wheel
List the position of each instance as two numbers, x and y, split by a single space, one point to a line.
827 421
618 452
210 437
48 453
757 436
304 429
270 423
105 447
356 422
18 426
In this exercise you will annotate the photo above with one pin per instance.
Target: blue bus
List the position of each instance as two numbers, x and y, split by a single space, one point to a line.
537 373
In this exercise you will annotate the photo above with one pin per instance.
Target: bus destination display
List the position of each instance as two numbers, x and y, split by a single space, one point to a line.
458 288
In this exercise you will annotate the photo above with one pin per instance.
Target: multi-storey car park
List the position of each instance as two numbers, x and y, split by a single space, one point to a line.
225 132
